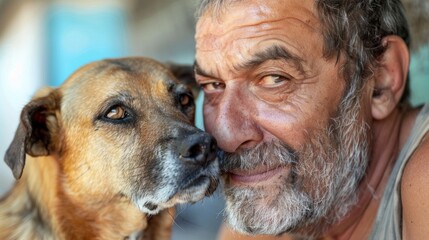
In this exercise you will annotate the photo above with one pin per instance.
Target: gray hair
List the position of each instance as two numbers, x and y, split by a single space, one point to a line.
354 28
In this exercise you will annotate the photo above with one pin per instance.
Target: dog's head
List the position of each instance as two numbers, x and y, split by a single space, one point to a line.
121 127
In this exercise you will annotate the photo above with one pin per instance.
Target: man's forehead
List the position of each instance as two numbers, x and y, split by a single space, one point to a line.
258 10
251 17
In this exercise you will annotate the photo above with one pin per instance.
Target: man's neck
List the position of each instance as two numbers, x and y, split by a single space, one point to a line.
387 135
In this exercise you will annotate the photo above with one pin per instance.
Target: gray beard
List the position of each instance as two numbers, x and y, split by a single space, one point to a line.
320 189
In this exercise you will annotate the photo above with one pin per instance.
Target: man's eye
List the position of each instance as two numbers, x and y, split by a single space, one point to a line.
273 80
212 86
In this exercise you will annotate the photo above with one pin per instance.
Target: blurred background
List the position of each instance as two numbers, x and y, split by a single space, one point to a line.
43 41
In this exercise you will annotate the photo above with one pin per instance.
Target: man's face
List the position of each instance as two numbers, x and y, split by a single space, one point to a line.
272 101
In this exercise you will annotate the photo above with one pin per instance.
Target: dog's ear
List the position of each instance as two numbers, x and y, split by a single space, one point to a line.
35 130
186 74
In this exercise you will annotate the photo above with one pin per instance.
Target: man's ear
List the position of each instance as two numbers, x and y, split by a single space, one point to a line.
36 130
390 77
186 74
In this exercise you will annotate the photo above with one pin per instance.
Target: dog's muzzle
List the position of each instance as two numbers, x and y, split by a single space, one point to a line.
198 154
189 176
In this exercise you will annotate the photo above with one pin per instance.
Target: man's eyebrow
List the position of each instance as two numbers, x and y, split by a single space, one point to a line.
199 71
274 52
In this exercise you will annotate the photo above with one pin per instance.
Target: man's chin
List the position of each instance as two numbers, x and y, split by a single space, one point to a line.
259 211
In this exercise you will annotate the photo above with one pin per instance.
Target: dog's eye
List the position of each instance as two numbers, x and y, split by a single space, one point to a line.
117 113
186 99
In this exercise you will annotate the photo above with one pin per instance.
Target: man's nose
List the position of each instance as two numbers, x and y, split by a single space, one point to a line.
234 127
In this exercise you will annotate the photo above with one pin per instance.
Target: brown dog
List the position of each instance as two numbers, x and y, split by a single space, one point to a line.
108 154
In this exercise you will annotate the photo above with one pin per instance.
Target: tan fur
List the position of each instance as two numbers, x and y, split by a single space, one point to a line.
18 221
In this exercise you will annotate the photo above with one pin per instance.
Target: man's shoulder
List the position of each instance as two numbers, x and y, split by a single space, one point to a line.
416 170
417 165
415 192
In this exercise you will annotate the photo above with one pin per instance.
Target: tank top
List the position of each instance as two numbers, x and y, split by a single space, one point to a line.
388 223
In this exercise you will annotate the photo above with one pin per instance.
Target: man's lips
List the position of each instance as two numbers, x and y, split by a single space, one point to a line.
255 176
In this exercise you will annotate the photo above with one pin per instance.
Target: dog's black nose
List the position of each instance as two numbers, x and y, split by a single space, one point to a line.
198 149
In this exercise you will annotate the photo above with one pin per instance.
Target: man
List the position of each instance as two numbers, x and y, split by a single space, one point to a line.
308 99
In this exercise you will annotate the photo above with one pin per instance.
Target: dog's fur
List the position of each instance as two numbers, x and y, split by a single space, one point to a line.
91 176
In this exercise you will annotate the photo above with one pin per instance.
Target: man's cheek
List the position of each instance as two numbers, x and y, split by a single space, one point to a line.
209 116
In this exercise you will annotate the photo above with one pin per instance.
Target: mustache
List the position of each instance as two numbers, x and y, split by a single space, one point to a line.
269 154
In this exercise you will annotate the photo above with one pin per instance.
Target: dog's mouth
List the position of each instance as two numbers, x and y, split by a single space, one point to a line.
198 183
194 187
193 191
201 182
188 174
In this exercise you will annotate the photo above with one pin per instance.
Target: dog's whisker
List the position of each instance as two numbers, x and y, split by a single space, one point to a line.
221 212
175 222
